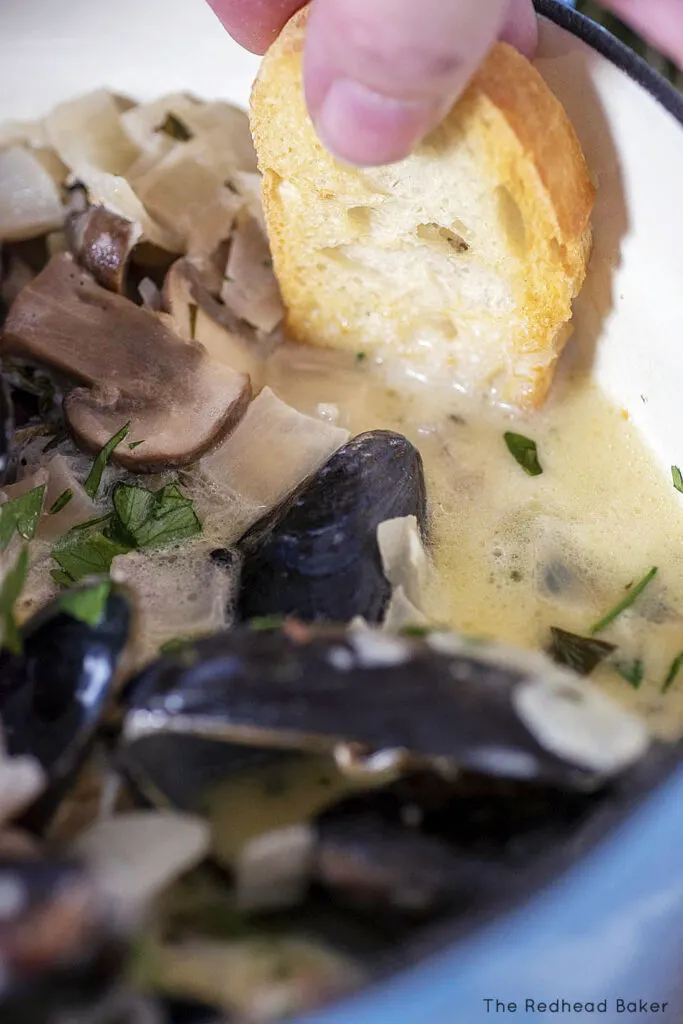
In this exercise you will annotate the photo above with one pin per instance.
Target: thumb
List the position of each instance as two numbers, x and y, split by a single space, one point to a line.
381 73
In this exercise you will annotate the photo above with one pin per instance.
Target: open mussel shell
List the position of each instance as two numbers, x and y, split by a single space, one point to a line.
316 556
58 955
53 695
437 700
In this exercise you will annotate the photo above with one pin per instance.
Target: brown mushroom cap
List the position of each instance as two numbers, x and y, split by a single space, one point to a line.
131 367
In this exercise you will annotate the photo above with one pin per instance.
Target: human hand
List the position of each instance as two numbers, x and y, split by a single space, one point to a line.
379 74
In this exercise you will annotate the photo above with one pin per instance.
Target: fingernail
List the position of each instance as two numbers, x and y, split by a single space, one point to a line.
365 128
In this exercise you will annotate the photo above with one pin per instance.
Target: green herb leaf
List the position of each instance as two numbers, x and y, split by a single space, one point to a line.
266 623
61 578
361 357
525 452
672 674
174 127
632 671
626 602
87 604
21 515
90 555
134 505
135 444
62 501
89 524
10 637
677 478
416 631
92 484
176 643
580 653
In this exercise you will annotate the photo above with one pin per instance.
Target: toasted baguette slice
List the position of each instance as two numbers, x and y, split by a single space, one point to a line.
462 260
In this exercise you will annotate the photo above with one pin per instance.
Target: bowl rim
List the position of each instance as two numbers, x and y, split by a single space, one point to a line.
618 53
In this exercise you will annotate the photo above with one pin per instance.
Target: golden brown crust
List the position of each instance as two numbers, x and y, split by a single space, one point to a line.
521 143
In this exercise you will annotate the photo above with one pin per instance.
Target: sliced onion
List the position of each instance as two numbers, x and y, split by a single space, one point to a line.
273 449
250 288
404 559
274 870
224 133
135 856
189 198
61 478
22 780
142 123
87 134
22 133
30 204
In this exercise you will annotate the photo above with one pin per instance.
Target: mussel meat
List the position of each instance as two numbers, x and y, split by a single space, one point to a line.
316 556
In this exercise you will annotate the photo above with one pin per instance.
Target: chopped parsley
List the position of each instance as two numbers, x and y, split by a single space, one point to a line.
135 444
632 671
175 128
672 674
580 653
677 478
87 604
61 502
176 643
416 631
21 515
86 554
155 518
633 594
525 453
266 623
13 584
141 519
92 484
361 357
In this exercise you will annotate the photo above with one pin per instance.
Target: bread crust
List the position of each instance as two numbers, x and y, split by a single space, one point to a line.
534 244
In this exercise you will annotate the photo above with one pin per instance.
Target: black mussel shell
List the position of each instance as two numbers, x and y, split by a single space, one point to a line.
492 710
57 952
316 556
373 864
6 429
54 694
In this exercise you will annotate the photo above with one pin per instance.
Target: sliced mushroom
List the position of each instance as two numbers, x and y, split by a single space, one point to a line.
30 203
102 243
250 288
132 368
197 316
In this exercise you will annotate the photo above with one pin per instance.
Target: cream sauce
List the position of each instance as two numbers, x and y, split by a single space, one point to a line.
514 554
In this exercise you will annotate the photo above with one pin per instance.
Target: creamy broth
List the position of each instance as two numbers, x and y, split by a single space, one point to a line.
514 554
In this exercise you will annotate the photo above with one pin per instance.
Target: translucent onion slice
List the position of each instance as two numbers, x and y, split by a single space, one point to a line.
135 856
30 204
250 288
87 133
272 450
